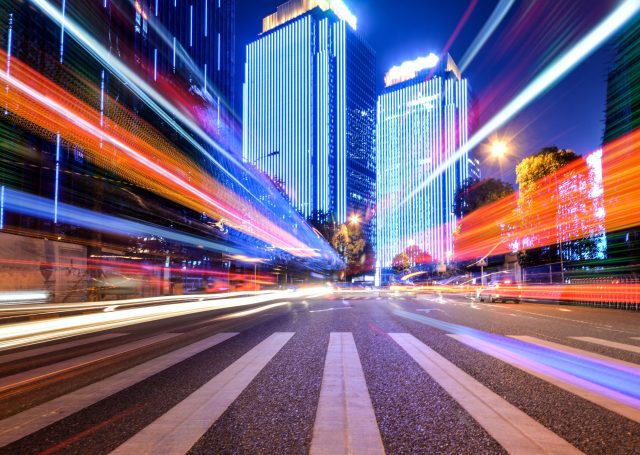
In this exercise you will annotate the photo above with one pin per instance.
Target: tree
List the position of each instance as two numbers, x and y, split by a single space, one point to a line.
348 242
544 163
324 223
535 198
417 256
475 193
400 262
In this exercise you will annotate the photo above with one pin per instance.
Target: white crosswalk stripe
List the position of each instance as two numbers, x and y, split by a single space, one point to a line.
510 427
603 359
610 344
57 347
345 421
37 374
27 422
605 397
179 429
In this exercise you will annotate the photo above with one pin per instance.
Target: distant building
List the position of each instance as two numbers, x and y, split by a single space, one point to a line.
423 119
622 116
309 110
580 220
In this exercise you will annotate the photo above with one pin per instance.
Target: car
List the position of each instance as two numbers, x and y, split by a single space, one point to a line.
504 291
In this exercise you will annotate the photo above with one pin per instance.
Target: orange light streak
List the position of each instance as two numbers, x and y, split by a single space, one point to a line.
144 158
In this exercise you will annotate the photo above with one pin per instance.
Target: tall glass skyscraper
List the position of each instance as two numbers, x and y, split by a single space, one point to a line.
309 95
423 118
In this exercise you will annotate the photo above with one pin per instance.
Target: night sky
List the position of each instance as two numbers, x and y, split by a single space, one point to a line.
571 115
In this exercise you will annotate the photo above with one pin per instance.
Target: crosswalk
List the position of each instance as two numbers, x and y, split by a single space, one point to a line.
345 418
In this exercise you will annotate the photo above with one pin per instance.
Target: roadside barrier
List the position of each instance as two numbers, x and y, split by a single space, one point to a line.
607 292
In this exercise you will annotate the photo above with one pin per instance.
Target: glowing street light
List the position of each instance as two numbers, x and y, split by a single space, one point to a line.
354 219
498 149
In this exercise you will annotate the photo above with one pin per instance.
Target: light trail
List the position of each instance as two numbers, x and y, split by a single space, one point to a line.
23 334
485 33
543 82
8 296
580 369
47 107
154 100
27 204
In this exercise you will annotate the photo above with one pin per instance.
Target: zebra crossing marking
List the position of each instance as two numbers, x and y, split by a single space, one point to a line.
34 419
609 344
602 359
509 426
176 431
610 399
345 421
56 347
36 374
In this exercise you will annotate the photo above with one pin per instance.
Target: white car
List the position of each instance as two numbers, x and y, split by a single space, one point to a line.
501 291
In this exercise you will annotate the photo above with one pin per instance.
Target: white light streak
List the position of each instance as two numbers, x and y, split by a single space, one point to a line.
26 333
57 180
543 82
485 33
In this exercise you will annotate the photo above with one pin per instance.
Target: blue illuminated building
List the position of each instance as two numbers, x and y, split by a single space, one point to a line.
310 94
423 118
194 39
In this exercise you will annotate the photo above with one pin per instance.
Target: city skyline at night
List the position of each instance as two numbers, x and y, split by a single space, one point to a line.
318 227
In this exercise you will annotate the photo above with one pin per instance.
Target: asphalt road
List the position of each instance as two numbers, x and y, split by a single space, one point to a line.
363 372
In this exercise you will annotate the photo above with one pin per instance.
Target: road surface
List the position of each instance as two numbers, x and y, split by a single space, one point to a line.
349 372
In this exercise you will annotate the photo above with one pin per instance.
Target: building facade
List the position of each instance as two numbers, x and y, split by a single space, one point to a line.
622 118
423 118
309 110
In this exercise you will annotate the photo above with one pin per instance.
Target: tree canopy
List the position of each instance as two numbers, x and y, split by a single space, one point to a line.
348 242
536 199
544 163
475 193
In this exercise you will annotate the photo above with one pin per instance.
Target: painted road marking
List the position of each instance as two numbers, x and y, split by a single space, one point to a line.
179 429
34 419
25 377
510 427
601 359
57 347
345 421
610 344
610 399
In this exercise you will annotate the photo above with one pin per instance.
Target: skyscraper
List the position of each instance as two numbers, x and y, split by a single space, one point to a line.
309 95
423 118
622 118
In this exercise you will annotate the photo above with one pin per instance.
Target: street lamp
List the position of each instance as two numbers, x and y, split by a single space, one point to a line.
354 219
498 149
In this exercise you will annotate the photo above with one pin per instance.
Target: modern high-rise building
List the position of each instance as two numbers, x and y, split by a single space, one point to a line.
622 118
423 119
191 41
309 109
